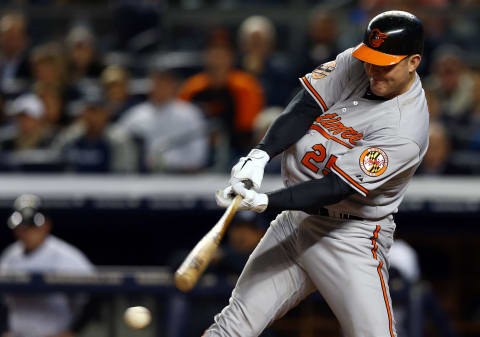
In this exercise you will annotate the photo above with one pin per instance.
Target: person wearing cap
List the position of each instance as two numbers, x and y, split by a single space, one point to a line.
115 82
30 130
25 145
93 145
351 140
38 251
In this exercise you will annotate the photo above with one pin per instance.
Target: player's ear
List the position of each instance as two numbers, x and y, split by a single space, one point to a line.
414 62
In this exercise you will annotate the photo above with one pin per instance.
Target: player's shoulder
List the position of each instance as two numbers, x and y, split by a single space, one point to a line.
346 59
412 105
66 251
413 114
346 66
13 250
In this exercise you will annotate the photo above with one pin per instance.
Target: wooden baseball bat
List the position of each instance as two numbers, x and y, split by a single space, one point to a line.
197 261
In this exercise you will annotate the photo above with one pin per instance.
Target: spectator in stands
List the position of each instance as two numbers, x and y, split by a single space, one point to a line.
257 36
52 100
91 145
229 98
453 85
48 67
30 130
322 42
173 132
440 158
115 86
82 56
437 158
37 251
14 55
29 133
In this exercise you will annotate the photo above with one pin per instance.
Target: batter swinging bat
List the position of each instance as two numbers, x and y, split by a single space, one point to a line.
192 268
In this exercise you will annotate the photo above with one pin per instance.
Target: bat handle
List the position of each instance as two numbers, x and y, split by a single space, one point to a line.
248 184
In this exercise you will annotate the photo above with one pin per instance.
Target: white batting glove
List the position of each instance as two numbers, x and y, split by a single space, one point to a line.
252 200
224 197
250 168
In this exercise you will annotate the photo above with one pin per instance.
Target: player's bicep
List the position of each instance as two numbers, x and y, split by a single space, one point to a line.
366 168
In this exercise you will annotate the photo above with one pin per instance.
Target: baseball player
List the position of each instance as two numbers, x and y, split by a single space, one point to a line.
36 250
351 140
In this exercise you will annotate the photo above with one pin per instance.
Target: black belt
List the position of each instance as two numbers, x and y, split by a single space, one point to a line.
324 212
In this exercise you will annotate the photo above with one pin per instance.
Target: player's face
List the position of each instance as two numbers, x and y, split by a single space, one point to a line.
31 236
394 80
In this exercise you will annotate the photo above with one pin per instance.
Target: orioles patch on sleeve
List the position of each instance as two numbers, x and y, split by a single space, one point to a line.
323 70
373 161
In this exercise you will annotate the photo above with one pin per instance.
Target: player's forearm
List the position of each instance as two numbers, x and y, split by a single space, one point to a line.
291 125
310 195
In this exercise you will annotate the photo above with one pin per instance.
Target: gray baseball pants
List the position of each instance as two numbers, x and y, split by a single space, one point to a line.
345 260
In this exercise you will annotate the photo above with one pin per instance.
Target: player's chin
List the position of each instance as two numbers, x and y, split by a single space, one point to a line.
379 88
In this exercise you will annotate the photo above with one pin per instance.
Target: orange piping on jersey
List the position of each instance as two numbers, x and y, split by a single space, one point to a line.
382 282
315 93
355 185
326 135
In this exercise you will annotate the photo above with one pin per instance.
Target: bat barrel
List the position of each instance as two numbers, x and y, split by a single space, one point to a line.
197 261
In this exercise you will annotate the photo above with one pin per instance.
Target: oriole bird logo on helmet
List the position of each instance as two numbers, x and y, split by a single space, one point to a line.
376 38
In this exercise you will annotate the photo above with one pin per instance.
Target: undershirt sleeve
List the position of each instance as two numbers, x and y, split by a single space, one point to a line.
291 125
310 195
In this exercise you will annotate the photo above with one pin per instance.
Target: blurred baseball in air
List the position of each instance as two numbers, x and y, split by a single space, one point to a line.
137 317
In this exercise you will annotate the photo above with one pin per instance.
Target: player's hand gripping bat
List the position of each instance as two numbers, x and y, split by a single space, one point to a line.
194 265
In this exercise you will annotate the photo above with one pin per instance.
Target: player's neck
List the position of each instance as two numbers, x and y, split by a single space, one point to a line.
409 84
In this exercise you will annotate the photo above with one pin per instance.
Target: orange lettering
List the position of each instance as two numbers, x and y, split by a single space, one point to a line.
332 123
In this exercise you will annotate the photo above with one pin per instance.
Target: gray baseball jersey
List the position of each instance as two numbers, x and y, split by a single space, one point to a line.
374 146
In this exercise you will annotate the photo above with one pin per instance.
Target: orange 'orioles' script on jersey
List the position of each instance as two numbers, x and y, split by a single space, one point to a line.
331 123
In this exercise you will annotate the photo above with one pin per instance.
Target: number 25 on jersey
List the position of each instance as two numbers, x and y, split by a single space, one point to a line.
312 159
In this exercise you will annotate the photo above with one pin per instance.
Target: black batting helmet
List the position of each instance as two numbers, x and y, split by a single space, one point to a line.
389 38
26 211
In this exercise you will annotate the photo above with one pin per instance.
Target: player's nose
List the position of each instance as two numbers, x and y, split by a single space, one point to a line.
374 71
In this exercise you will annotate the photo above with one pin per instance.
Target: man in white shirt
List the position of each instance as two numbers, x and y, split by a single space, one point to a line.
37 251
173 132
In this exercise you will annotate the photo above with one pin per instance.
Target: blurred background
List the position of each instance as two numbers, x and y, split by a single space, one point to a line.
124 117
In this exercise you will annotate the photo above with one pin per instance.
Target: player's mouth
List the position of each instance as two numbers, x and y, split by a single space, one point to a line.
378 86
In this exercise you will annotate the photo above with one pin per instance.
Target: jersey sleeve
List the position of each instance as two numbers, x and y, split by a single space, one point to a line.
327 82
372 164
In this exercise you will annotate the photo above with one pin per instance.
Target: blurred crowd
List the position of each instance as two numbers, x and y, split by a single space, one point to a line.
146 102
